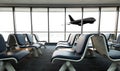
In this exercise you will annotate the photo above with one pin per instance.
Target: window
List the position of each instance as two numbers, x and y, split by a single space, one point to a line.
56 22
53 24
119 22
23 21
6 20
40 22
108 20
76 13
91 12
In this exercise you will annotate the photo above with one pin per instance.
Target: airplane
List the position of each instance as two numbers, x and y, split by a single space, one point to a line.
89 20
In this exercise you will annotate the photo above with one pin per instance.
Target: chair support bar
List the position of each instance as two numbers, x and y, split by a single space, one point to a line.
67 65
6 65
114 66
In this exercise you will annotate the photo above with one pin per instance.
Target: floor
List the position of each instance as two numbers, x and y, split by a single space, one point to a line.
43 63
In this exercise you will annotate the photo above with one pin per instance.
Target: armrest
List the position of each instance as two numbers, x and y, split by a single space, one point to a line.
43 41
114 41
116 45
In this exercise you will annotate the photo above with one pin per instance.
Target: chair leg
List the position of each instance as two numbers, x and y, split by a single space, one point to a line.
39 51
35 52
67 65
44 46
112 67
1 66
118 66
9 67
63 67
70 66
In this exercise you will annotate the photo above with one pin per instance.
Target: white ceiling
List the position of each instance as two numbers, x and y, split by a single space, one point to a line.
78 2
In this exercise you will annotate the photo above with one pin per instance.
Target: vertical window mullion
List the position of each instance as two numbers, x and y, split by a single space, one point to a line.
31 20
14 23
48 27
117 19
65 26
22 16
82 20
99 19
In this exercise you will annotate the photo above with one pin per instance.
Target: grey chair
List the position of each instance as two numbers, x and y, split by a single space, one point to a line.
100 43
75 55
69 43
68 40
31 43
7 56
18 41
42 43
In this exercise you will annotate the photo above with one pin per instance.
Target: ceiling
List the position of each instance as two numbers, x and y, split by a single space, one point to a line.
60 3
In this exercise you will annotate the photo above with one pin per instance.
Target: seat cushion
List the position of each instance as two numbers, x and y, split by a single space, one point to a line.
62 43
35 45
21 54
17 55
114 54
65 54
116 45
63 46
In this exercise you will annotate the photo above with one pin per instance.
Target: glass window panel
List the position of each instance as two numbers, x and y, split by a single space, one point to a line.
23 21
56 23
91 12
108 19
56 19
6 20
42 36
76 14
40 19
6 34
119 22
40 22
55 37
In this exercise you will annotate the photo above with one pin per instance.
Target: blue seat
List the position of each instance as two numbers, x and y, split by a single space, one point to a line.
101 44
7 56
116 43
22 43
31 43
75 55
69 43
20 39
117 40
38 41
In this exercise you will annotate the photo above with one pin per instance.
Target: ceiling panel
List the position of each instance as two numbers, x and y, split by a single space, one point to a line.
59 2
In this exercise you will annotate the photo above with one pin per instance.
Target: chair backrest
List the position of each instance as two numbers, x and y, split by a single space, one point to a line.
29 38
11 41
68 37
118 39
20 39
100 43
3 47
81 43
72 38
107 35
36 37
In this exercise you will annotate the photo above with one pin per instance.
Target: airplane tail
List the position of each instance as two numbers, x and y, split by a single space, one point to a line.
70 17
